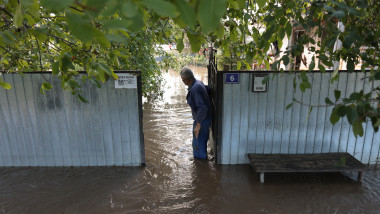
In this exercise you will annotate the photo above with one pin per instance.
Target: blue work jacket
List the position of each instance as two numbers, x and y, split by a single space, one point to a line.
199 101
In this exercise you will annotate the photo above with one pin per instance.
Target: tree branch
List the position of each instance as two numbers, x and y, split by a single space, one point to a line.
84 7
50 45
5 11
328 105
76 9
39 51
63 40
54 17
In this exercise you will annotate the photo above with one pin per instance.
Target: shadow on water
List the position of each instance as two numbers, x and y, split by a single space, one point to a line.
172 182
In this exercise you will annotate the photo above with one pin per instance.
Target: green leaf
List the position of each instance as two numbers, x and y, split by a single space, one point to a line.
115 24
261 3
350 38
27 3
46 86
304 76
357 128
302 87
351 114
81 98
66 62
355 96
96 82
104 68
137 22
40 33
341 110
328 101
115 76
248 65
5 85
377 75
110 8
161 7
377 124
209 13
234 4
129 9
335 75
241 3
334 118
338 14
233 35
265 80
56 5
29 19
115 38
238 65
226 49
18 17
312 65
187 13
73 84
289 106
308 113
101 76
274 66
288 28
328 8
55 68
180 44
220 32
337 94
195 42
322 68
281 34
266 64
101 39
350 65
80 27
42 91
249 56
285 59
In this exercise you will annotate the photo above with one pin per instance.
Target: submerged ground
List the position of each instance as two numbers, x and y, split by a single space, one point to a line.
172 182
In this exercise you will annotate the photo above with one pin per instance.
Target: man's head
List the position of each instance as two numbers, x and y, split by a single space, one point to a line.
187 76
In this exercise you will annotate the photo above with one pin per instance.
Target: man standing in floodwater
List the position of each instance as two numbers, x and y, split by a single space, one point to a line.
197 98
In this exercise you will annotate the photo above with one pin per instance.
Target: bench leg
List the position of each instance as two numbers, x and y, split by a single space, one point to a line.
261 177
360 176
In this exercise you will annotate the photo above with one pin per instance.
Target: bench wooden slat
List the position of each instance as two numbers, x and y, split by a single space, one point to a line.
327 162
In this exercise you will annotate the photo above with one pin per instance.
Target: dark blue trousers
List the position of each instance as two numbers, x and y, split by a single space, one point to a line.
200 144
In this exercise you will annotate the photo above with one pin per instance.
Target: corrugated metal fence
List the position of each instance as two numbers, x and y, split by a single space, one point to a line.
259 122
58 130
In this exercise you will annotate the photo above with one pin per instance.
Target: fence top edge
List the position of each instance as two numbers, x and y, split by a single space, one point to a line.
287 71
81 72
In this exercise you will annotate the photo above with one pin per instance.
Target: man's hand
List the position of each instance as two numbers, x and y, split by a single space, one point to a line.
196 130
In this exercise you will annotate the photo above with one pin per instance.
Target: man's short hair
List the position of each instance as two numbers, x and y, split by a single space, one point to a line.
187 73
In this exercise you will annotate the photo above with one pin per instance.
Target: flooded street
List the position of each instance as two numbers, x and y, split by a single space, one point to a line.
172 182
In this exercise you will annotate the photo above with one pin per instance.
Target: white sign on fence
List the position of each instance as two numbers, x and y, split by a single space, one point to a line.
126 81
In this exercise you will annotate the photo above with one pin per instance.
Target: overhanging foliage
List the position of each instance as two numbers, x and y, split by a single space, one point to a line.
102 35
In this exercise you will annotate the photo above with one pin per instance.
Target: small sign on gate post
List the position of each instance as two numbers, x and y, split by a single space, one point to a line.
126 81
257 83
232 78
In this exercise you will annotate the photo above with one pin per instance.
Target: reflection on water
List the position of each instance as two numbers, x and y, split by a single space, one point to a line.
174 183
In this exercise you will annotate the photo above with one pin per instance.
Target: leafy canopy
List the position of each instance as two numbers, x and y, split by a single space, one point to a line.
99 36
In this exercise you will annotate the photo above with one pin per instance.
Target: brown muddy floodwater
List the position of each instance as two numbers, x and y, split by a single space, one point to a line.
172 182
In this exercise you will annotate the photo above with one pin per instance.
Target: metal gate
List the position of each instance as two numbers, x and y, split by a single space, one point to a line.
58 130
258 122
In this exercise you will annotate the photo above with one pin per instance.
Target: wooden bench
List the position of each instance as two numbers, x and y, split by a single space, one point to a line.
327 162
